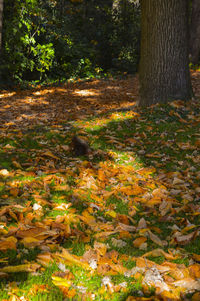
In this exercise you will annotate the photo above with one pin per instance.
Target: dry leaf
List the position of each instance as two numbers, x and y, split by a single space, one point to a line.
160 252
139 241
188 283
155 239
29 267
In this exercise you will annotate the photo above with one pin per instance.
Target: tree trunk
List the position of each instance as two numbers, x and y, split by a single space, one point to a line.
195 32
1 22
164 65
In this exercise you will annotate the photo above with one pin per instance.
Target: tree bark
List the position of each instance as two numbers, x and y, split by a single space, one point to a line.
164 64
195 32
1 22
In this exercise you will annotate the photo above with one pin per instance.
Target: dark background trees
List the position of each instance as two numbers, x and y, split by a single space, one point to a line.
66 39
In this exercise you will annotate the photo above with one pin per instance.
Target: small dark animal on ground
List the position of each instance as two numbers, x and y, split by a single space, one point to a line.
80 146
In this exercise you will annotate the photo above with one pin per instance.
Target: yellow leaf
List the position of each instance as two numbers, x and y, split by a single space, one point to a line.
58 281
160 252
50 154
111 213
29 267
105 234
62 188
188 228
72 259
17 164
87 218
30 242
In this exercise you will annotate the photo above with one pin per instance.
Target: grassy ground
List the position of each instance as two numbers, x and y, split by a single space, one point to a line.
119 224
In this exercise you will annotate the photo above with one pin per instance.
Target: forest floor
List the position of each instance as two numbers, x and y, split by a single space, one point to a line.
122 223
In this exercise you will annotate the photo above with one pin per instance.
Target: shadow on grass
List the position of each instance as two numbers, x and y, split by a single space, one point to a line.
136 155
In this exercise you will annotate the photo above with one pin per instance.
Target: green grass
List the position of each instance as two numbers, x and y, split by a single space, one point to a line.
157 134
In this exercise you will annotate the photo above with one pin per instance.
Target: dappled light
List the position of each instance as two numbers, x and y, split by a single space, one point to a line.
85 93
99 150
61 104
129 209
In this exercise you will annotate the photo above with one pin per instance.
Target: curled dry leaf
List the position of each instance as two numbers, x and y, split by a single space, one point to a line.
160 252
165 207
155 239
188 284
153 278
119 243
128 228
185 239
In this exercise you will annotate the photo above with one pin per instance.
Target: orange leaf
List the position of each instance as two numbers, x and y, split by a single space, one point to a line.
14 191
195 270
139 241
50 154
9 243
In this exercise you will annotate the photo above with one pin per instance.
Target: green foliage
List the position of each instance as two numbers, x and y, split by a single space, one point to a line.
57 40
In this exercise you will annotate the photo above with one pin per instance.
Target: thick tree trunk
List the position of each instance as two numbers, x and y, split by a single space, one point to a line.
164 65
1 22
195 32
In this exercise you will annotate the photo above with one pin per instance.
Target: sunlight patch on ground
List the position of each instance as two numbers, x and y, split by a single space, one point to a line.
102 122
86 93
7 94
44 92
33 101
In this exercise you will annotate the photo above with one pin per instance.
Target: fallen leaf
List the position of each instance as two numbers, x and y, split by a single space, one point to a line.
29 267
139 241
155 239
160 252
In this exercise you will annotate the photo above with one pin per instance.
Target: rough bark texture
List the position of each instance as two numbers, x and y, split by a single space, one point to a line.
195 32
1 22
164 66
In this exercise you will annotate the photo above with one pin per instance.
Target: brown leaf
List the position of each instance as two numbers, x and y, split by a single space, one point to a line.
155 239
185 239
139 241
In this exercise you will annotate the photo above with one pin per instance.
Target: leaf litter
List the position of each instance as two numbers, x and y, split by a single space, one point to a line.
122 222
